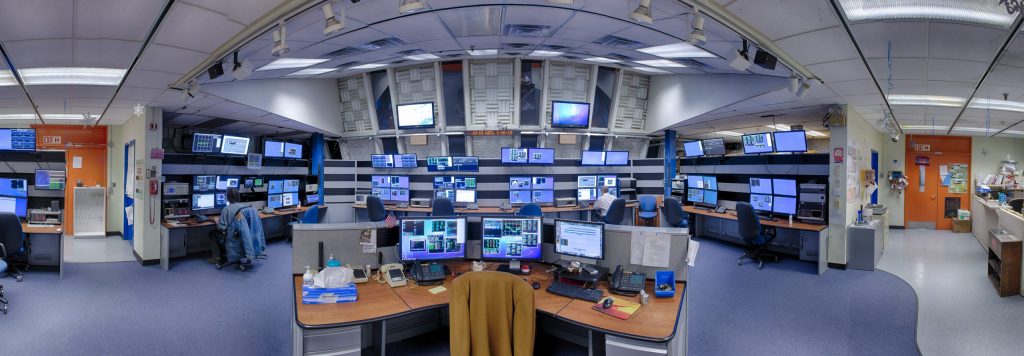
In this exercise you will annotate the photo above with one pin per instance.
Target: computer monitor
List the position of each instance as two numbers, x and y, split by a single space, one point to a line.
785 187
273 148
225 182
790 141
439 164
203 201
761 202
616 158
710 182
466 164
784 205
415 115
275 187
312 199
511 238
695 195
291 185
400 182
693 148
234 145
757 143
542 156
292 150
586 182
463 182
579 239
586 194
544 197
50 180
407 160
760 186
711 197
515 155
399 195
444 182
274 201
432 238
289 199
607 181
567 114
205 143
17 139
445 193
592 158
693 181
383 193
544 182
465 196
519 183
519 197
220 200
204 183
18 206
257 182
382 161
380 181
714 146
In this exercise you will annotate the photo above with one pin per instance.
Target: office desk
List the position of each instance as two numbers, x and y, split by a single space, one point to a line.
191 236
47 246
984 218
809 241
495 210
657 329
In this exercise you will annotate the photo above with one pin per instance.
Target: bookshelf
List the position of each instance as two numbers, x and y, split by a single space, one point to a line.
1004 262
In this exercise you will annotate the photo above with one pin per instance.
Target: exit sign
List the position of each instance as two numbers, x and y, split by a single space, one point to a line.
51 140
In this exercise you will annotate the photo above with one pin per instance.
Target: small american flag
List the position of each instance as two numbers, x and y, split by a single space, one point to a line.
390 221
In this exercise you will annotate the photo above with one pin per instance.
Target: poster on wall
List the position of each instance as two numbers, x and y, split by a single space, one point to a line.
958 178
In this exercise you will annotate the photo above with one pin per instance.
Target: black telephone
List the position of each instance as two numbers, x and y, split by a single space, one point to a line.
720 209
627 283
429 273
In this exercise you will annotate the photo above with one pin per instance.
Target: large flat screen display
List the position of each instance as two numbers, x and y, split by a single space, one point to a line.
784 187
570 114
17 139
515 155
205 143
542 156
292 150
714 147
511 238
416 115
579 238
760 186
757 143
592 158
693 149
235 145
790 141
425 239
50 180
273 148
616 158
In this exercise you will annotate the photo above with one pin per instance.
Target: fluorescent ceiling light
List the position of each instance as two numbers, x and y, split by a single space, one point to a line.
1013 132
815 133
926 100
983 12
661 63
652 70
678 50
483 52
76 117
925 127
974 129
1004 105
539 53
285 63
312 71
65 76
6 79
779 127
601 60
728 133
369 66
421 57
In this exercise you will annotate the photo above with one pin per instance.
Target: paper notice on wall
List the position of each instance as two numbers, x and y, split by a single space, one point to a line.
691 253
76 162
650 249
368 240
129 214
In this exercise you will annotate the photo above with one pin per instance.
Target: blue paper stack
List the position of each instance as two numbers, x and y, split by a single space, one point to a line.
329 295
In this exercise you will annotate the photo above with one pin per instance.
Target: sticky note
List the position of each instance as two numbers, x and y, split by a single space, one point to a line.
438 289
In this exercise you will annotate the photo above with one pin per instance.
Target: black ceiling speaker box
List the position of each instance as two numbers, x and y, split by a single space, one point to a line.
765 60
216 70
334 149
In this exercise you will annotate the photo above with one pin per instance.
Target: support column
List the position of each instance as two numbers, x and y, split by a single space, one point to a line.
670 160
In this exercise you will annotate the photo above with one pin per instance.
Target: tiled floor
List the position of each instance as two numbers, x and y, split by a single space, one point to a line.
960 313
109 249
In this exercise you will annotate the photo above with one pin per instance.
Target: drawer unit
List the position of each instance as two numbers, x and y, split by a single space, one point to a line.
335 341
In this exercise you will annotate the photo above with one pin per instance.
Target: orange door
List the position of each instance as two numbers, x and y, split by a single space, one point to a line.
922 204
942 222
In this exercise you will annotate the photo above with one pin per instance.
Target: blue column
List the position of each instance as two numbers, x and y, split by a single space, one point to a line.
316 162
670 160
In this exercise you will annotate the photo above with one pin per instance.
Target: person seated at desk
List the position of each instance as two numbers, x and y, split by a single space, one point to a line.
602 203
242 225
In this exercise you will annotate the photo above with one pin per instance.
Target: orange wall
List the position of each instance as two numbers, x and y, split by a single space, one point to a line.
69 134
928 206
91 145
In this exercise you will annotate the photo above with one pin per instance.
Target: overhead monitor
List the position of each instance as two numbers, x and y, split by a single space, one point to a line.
274 201
273 148
17 139
206 143
586 182
382 161
50 180
203 201
465 196
416 115
289 199
586 194
204 183
292 150
761 202
275 187
291 185
519 197
406 160
542 156
784 187
445 193
439 164
757 143
693 181
235 145
466 164
784 205
517 238
693 149
544 182
519 183
616 158
760 186
568 114
579 238
312 199
592 158
400 182
607 181
515 155
790 141
714 146
225 182
432 238
544 196
18 206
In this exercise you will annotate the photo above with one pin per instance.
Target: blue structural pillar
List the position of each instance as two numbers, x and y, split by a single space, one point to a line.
670 160
316 163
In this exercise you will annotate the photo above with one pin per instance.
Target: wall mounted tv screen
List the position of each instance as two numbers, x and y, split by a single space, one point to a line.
416 115
570 114
758 143
714 146
790 141
693 148
17 139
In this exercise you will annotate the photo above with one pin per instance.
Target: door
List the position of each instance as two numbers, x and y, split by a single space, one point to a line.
874 166
922 192
129 191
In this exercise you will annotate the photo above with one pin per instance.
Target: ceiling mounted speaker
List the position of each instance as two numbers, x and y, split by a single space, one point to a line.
697 37
794 83
241 69
216 70
765 60
802 91
280 40
642 13
741 62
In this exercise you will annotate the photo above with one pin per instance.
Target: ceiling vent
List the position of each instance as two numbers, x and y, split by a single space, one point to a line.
400 61
556 48
517 45
384 43
571 57
619 42
347 64
410 52
512 53
620 57
453 55
692 63
347 51
517 30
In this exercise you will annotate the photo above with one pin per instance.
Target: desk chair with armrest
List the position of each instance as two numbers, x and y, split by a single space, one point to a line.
615 212
530 209
647 210
375 209
754 235
12 243
313 215
491 313
442 206
673 212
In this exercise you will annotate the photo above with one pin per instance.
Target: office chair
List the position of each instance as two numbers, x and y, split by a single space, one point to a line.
375 209
3 267
615 212
491 313
648 208
753 234
12 243
312 216
673 212
442 207
1016 204
530 209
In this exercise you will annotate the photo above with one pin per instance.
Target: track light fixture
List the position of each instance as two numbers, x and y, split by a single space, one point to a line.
802 90
697 37
794 83
280 38
642 13
410 6
742 61
331 22
241 69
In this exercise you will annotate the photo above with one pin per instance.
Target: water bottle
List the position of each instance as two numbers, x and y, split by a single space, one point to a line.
791 219
307 278
332 262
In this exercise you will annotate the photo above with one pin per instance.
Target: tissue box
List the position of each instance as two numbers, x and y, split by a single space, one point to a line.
963 214
664 277
962 225
329 295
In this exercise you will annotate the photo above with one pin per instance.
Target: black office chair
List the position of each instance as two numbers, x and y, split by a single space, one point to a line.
375 209
615 212
12 243
754 235
673 211
442 206
1016 204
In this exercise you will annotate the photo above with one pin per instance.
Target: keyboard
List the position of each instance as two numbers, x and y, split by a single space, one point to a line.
576 292
39 225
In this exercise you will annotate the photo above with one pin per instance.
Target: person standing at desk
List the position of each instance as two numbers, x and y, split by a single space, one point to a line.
603 202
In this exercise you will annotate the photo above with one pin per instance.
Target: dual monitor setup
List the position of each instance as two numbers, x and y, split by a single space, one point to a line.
238 145
564 114
14 191
765 142
767 195
210 191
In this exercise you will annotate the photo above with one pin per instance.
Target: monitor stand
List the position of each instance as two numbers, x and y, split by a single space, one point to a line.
513 267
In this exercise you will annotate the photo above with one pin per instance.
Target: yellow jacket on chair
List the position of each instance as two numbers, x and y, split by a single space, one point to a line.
491 314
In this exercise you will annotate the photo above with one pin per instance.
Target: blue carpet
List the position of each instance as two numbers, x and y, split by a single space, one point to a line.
787 309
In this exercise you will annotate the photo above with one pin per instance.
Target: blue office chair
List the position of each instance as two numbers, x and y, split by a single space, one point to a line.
442 207
12 243
648 208
673 213
312 216
531 209
754 235
615 212
375 209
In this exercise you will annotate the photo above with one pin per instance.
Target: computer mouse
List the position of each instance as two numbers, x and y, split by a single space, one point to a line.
607 303
535 285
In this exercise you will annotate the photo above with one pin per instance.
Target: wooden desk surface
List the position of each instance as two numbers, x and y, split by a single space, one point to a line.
191 222
41 229
656 321
779 223
494 209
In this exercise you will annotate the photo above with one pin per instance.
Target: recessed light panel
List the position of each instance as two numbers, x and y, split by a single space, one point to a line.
661 63
71 76
652 70
311 71
483 52
369 66
540 53
421 57
286 63
601 60
982 12
677 50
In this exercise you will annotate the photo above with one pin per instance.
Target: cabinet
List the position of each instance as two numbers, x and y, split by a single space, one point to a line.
1004 253
90 212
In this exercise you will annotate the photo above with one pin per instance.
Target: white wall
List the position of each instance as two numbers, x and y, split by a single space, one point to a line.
314 102
892 199
146 240
857 139
676 98
987 153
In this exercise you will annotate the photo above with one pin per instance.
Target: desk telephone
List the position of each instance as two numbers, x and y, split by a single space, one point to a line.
627 283
428 273
202 218
392 274
720 209
268 210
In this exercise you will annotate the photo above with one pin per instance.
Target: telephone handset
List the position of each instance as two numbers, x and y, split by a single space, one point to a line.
392 273
627 283
720 209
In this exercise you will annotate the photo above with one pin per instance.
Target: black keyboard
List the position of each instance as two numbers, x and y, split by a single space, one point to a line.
576 292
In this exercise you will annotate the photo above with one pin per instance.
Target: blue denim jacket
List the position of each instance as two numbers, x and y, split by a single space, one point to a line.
259 241
238 237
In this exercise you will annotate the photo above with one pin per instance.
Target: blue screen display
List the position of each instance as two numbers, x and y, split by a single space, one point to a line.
275 187
519 196
291 186
292 150
273 148
519 183
784 205
542 156
274 201
784 187
757 143
18 139
616 158
543 196
424 239
13 187
790 141
569 114
466 164
515 155
18 206
544 182
511 238
592 158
